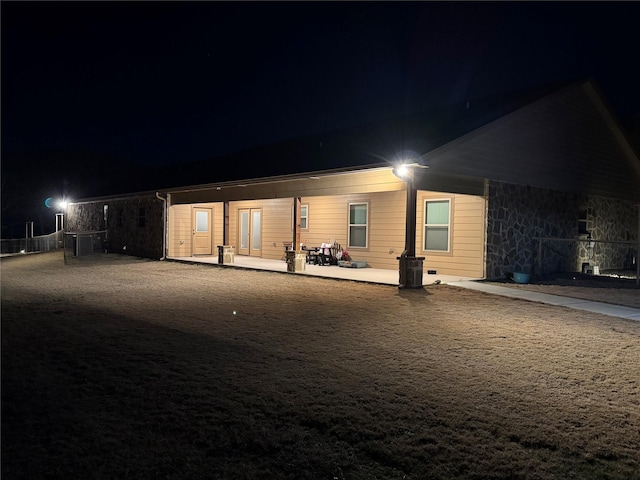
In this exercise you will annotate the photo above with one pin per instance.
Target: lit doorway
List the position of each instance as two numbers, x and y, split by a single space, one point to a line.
250 232
201 227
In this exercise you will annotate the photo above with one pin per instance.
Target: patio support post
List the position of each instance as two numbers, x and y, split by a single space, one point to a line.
295 259
297 203
410 234
225 225
165 232
28 233
410 265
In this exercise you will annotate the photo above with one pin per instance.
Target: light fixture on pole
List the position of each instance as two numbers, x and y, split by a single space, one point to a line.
62 207
28 234
59 222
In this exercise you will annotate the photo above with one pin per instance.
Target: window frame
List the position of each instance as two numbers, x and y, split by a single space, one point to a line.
366 225
583 222
306 217
426 225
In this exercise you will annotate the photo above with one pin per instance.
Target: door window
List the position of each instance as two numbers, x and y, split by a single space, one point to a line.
202 222
244 230
256 242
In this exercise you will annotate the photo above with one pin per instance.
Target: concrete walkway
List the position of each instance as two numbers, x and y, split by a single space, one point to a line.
390 277
575 303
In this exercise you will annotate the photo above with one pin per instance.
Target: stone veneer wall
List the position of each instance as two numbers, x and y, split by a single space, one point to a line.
517 213
124 234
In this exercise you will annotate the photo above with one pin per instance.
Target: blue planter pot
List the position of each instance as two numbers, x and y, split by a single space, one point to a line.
519 277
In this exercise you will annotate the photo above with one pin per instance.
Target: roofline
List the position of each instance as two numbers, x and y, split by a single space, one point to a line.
237 183
487 126
276 178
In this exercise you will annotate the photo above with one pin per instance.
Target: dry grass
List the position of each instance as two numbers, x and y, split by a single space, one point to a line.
120 368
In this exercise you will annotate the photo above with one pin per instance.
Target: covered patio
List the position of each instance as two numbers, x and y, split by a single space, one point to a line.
369 275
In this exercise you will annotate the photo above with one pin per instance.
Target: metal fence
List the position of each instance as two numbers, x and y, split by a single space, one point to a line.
41 243
79 244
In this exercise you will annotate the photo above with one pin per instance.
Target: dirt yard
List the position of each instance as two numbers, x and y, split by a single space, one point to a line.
122 368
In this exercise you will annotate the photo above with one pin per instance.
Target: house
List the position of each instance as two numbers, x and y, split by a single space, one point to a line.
538 182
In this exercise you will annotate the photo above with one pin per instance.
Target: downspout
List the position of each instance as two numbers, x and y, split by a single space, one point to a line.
164 225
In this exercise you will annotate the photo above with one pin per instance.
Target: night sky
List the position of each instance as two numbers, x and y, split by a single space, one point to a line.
166 82
159 83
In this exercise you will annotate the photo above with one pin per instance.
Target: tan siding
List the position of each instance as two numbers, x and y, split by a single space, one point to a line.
180 228
180 231
233 219
277 226
218 225
328 220
467 236
387 229
233 226
277 223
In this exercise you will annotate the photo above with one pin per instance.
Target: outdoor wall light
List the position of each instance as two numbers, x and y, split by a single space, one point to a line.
406 161
401 171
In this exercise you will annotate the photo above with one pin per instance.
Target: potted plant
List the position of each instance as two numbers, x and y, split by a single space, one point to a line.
343 258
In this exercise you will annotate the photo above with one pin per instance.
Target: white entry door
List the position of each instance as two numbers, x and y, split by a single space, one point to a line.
250 232
201 228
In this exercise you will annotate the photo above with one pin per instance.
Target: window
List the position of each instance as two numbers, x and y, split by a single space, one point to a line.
583 222
120 220
436 225
141 217
358 218
304 217
202 221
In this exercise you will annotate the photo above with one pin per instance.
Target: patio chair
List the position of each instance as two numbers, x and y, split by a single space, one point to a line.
328 254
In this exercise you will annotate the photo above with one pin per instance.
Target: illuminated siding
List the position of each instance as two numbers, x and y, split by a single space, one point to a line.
180 228
328 202
466 255
276 224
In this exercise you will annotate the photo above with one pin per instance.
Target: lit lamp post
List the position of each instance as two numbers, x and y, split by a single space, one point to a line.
62 205
410 267
59 222
28 233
